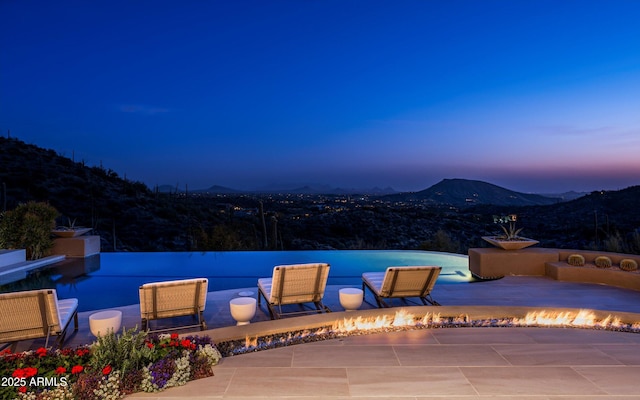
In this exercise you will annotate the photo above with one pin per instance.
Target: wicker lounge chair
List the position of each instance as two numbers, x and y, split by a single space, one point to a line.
294 284
169 299
402 282
35 314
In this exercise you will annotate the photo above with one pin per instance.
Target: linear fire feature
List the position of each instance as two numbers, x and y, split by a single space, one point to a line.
291 331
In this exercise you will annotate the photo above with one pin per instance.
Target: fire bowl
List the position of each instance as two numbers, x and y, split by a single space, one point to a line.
265 335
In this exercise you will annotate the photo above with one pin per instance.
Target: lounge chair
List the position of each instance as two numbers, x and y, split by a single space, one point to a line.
35 314
294 284
169 299
402 282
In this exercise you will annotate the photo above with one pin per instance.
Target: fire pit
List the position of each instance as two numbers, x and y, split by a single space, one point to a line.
291 331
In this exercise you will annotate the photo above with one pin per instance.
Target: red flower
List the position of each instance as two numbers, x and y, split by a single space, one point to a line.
150 345
106 370
41 352
22 389
82 352
19 373
25 372
5 351
61 370
174 336
77 369
186 343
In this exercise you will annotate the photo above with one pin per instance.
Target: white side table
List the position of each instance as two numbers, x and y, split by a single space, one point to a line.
103 322
350 298
243 309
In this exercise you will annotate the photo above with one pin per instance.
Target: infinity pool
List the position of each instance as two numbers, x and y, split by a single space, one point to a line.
112 279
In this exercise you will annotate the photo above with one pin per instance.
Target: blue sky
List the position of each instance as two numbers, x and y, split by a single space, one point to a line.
535 96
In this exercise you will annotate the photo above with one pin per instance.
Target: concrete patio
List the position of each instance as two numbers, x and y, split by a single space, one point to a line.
452 363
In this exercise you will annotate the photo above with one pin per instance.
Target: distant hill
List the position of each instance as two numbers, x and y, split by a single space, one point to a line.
620 206
290 189
217 189
466 193
566 196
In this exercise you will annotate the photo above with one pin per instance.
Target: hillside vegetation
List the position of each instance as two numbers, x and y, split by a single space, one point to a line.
129 216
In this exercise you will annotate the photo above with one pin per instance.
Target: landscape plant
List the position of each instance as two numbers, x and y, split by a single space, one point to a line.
508 225
112 367
28 227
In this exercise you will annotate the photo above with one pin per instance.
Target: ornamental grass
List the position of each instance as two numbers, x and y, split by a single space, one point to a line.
112 367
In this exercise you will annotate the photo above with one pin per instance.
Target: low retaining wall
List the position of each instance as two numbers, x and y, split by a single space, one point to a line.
589 273
493 263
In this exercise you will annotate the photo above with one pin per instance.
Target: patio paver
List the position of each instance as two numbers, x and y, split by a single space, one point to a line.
452 363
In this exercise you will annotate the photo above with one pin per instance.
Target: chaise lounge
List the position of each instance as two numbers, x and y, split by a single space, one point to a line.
169 299
35 314
294 284
402 282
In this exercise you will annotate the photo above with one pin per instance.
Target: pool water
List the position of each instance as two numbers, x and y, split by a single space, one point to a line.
112 279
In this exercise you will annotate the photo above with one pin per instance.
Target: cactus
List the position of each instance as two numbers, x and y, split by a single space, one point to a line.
603 262
576 260
628 264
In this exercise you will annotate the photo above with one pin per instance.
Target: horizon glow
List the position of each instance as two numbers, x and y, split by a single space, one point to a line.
534 96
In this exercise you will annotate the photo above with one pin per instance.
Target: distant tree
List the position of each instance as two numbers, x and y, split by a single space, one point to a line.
221 237
615 243
441 241
634 242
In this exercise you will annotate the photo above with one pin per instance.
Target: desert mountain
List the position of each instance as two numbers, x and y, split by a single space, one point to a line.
466 193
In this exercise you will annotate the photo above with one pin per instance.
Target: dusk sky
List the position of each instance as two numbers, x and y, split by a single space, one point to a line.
536 96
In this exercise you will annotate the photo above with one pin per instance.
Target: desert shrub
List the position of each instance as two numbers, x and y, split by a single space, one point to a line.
614 243
441 241
28 227
634 242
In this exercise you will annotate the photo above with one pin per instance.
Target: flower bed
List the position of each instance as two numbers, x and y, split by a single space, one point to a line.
114 366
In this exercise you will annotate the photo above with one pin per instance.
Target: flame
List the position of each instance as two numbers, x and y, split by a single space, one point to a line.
250 342
581 319
403 319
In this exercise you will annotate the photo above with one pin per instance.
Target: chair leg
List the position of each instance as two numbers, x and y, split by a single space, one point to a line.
271 311
381 303
378 299
201 321
321 307
428 299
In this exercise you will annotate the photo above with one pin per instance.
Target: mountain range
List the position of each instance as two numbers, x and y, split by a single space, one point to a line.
23 162
303 188
128 216
456 192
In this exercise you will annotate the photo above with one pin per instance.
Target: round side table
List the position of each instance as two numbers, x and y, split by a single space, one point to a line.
243 309
102 322
350 298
